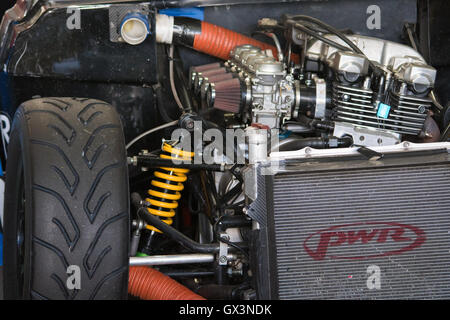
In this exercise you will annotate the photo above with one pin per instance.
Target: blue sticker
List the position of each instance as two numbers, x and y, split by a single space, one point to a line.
195 13
284 135
383 110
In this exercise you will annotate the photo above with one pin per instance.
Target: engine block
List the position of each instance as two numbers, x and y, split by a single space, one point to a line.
376 99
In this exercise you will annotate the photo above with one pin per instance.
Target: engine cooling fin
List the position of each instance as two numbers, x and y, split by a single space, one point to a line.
407 114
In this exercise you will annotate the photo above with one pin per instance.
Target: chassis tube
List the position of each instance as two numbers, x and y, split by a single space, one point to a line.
164 260
171 259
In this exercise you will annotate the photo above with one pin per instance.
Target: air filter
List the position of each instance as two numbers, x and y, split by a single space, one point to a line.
213 79
204 74
194 70
226 95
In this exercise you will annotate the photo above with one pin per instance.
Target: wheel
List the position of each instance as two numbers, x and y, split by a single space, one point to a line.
66 222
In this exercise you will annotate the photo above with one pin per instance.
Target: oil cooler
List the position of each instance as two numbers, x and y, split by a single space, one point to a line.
352 228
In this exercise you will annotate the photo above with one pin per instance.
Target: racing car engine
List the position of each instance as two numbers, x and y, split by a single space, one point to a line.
376 97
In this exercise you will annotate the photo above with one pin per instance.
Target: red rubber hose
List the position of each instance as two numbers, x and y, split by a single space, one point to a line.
218 42
149 284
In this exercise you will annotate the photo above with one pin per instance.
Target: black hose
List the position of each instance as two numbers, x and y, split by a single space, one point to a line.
173 233
186 273
219 292
183 240
317 143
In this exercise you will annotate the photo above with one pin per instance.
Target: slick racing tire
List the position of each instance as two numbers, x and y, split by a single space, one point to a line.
66 221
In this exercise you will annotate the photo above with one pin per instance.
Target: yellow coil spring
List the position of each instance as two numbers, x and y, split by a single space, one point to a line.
167 186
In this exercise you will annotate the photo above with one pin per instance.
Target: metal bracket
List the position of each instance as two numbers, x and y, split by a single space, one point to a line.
321 97
223 250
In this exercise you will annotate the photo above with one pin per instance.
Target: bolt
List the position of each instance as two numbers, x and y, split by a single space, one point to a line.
308 150
421 109
228 212
225 237
190 124
223 259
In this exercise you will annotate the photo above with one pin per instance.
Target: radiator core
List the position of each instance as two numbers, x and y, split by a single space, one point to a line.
360 230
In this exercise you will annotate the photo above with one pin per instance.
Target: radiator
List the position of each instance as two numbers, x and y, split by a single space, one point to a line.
355 229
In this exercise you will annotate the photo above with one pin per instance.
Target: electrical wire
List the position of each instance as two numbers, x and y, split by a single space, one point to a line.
321 38
340 35
185 95
409 32
435 100
231 244
274 37
172 81
146 133
414 46
330 29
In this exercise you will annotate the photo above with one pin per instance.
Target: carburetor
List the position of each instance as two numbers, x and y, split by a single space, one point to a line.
272 89
251 83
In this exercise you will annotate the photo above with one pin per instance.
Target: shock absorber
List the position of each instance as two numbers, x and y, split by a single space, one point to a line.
167 186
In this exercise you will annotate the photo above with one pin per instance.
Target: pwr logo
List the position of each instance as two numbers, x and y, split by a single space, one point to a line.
364 240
